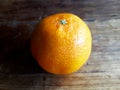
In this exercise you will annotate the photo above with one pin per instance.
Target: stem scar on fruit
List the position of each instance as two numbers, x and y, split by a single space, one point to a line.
63 21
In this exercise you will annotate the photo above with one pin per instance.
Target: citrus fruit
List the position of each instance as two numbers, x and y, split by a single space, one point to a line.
61 43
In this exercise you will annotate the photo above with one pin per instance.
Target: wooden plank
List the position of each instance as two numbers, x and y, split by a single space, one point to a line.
24 10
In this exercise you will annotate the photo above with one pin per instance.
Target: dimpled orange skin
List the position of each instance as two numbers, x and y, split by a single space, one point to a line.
61 48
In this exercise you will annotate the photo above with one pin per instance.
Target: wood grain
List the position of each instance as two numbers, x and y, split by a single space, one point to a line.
19 70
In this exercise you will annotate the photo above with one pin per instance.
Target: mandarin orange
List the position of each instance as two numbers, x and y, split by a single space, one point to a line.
61 43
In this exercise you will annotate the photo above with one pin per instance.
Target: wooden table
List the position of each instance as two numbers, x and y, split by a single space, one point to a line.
18 69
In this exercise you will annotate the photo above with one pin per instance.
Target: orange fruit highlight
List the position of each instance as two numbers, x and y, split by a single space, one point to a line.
61 43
